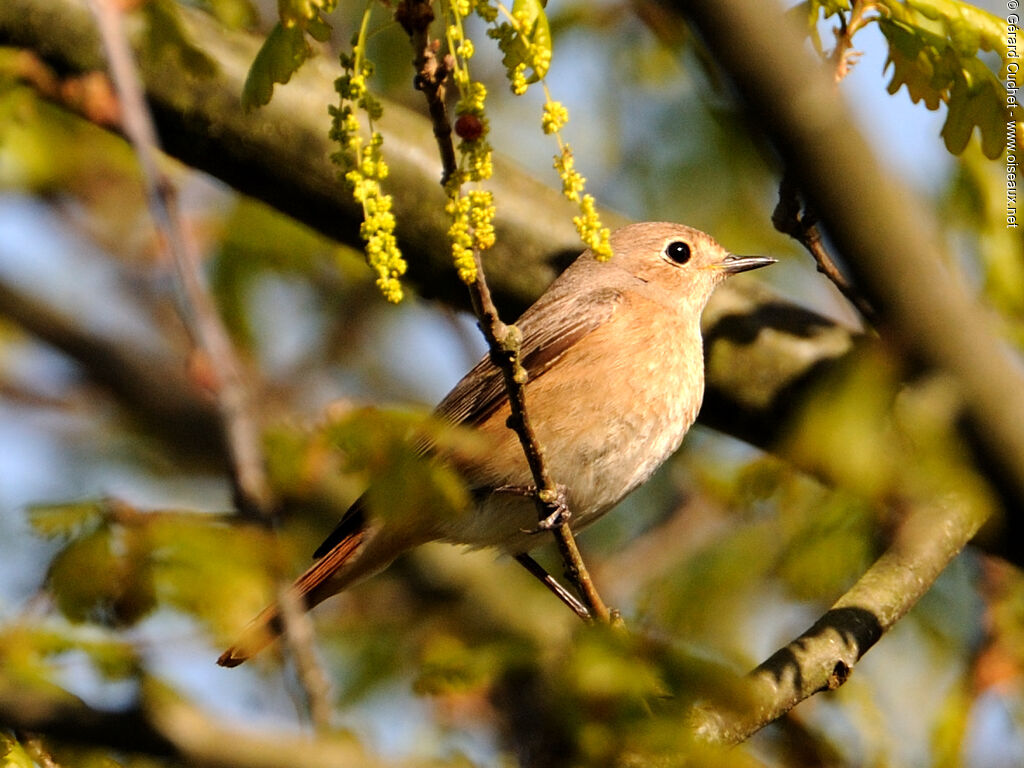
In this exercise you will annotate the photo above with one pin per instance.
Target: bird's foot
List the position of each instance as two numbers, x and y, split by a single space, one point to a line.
557 500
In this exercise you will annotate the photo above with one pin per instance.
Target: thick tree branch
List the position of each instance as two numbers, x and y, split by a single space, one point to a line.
236 402
165 727
883 232
761 348
824 656
151 383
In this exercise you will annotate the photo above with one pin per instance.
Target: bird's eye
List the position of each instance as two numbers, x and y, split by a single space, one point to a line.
678 251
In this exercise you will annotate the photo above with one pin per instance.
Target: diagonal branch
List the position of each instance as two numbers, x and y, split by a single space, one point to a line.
502 340
802 226
235 402
823 657
885 235
167 728
760 347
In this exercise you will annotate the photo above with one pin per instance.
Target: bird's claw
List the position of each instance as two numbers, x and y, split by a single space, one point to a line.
559 502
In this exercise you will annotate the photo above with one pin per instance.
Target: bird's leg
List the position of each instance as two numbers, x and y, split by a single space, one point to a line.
552 584
558 500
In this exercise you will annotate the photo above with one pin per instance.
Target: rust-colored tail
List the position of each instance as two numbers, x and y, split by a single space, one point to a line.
266 627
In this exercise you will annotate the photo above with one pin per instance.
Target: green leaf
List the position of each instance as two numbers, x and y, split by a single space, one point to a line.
12 754
384 445
66 520
976 101
318 29
531 44
302 12
280 56
968 28
448 665
32 655
933 48
917 63
165 36
104 577
215 573
234 14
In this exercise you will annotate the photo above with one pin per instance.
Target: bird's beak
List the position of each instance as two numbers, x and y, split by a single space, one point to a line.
733 264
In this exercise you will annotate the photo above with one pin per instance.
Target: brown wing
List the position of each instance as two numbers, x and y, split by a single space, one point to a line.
548 332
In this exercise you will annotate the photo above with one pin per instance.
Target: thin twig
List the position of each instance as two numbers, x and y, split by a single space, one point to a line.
843 56
502 340
235 404
308 669
799 222
431 76
195 304
790 218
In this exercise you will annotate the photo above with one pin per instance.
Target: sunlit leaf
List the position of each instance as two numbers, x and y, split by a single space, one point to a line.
968 27
216 573
976 99
12 754
384 445
916 64
166 36
280 56
933 51
235 14
104 577
65 520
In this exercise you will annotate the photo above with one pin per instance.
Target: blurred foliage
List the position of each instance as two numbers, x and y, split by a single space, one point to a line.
46 149
32 656
286 47
869 431
13 753
166 36
253 244
726 555
976 207
215 572
380 450
934 50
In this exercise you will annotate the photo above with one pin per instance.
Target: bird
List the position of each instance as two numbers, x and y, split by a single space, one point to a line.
615 378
